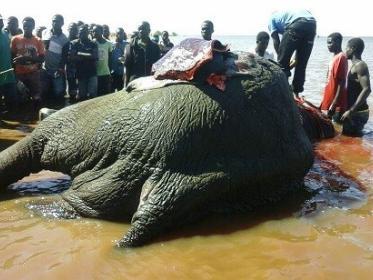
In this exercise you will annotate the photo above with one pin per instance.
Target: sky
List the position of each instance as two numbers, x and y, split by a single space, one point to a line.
232 17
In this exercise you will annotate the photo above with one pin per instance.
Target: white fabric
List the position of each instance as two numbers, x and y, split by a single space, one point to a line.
149 82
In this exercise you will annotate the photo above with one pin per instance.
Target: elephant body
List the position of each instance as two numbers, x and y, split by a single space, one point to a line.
167 156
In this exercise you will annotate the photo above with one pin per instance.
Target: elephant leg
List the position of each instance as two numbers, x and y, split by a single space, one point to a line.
173 200
105 193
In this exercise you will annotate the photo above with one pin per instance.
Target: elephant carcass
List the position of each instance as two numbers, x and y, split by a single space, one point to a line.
168 156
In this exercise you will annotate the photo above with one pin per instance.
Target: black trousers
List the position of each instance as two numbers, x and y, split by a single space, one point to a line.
103 85
298 37
118 83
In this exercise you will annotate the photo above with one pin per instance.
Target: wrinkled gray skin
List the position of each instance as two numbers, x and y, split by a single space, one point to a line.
168 156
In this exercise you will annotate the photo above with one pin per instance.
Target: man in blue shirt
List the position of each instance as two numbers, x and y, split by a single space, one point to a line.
298 30
57 49
84 53
117 71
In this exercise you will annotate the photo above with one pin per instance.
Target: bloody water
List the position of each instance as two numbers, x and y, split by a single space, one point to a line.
325 232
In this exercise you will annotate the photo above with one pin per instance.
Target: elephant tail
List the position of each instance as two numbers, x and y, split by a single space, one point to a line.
18 161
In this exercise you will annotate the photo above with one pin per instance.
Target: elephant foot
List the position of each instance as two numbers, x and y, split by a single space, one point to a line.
135 237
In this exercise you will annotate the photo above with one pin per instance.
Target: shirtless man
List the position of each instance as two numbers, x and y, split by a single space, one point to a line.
358 90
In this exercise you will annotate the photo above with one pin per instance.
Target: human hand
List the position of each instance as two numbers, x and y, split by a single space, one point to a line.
121 59
346 115
325 113
331 112
21 59
292 63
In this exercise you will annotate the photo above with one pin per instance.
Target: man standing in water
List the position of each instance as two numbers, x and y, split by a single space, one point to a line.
358 90
334 101
262 40
207 28
298 30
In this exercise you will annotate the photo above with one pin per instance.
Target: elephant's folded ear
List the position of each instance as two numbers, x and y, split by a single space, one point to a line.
183 60
217 46
149 82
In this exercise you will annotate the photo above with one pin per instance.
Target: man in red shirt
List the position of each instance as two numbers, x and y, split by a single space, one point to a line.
28 52
334 101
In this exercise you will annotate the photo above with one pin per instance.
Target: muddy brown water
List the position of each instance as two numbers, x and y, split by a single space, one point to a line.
323 233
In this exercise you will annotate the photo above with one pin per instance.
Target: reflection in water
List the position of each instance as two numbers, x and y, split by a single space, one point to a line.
323 232
331 187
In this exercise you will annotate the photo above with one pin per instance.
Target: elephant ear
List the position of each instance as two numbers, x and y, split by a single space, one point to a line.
183 60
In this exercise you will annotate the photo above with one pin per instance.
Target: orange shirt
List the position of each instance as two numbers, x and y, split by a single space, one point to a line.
29 47
337 72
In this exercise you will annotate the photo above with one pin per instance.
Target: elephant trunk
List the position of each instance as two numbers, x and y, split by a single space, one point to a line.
17 162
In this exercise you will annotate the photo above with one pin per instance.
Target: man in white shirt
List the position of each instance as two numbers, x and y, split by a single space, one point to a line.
262 40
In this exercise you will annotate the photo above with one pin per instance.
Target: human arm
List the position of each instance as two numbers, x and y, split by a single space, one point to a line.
293 60
24 59
127 57
333 105
64 57
95 52
157 53
363 78
35 54
46 43
110 57
276 41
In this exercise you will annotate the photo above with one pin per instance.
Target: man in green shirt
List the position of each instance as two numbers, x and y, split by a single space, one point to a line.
7 77
103 66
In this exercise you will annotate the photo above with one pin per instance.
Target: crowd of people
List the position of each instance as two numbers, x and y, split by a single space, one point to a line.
86 64
39 66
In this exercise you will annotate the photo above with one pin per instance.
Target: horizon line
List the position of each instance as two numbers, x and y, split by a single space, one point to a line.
199 35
